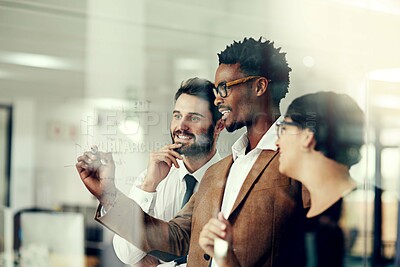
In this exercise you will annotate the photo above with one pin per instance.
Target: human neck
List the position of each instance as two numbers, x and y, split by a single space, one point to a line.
259 127
192 164
326 180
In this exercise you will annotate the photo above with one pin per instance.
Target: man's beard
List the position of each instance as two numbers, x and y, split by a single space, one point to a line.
203 144
234 126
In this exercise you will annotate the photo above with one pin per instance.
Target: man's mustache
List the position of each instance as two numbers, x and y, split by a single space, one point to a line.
179 132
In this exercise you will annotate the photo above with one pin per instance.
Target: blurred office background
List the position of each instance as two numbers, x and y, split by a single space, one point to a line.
76 73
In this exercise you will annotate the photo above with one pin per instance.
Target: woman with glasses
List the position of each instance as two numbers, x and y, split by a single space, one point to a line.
319 140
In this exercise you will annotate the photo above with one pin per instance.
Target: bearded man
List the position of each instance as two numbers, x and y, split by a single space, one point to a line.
162 189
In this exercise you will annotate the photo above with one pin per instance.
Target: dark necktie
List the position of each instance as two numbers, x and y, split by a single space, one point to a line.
190 184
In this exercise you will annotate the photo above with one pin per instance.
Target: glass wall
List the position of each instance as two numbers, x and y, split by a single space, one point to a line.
78 73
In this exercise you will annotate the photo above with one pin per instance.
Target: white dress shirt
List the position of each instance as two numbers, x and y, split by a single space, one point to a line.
162 204
242 164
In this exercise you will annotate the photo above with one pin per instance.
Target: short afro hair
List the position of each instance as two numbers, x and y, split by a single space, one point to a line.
336 121
258 58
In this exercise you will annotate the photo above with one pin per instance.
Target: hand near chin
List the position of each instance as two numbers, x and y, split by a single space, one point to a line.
160 163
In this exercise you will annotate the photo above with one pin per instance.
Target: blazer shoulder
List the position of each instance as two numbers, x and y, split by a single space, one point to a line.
221 164
217 169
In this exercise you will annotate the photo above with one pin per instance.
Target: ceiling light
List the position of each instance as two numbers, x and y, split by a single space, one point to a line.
385 75
388 6
189 64
34 60
308 61
387 101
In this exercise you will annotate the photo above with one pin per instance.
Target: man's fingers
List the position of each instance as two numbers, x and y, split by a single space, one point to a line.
214 222
82 170
82 158
90 155
105 157
95 160
214 229
85 174
173 160
223 222
167 160
206 241
211 235
102 158
172 155
165 157
96 157
89 159
175 154
207 237
81 165
170 149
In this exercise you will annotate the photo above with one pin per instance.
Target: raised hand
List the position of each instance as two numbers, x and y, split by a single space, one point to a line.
97 172
159 165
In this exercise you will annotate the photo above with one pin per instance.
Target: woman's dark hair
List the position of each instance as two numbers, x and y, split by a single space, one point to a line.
336 121
201 88
260 58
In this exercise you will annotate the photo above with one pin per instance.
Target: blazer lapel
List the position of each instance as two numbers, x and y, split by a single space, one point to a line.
219 180
261 163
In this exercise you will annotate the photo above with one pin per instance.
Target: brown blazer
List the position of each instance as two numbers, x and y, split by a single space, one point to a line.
267 218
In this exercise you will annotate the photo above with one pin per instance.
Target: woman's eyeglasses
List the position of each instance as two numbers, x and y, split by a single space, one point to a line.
280 127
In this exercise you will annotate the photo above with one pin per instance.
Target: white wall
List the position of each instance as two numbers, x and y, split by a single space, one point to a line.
23 154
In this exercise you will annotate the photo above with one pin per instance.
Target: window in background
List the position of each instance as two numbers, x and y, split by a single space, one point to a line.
5 153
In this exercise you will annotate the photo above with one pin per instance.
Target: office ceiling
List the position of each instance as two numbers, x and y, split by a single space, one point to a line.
330 44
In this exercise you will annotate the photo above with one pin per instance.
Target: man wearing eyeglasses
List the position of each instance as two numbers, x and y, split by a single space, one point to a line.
242 200
262 212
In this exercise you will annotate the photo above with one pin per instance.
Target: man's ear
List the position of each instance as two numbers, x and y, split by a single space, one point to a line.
219 126
261 86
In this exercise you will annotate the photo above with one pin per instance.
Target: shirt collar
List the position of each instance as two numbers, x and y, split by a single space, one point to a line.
198 175
267 142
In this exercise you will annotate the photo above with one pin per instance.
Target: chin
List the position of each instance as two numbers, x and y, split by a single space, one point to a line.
282 169
233 126
183 148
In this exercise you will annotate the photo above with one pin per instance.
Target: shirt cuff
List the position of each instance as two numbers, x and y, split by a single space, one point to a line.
146 200
126 252
169 264
102 211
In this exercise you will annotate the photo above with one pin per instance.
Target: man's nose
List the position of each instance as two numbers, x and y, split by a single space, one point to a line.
183 124
218 100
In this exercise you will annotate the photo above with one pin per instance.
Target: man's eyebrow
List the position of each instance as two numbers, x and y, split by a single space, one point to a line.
221 82
195 113
190 113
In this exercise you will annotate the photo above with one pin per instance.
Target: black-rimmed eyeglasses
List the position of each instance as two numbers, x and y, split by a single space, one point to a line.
222 88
